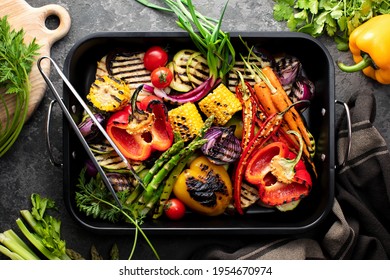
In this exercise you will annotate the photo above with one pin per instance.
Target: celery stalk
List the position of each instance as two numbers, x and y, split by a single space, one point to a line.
13 256
14 245
35 241
12 235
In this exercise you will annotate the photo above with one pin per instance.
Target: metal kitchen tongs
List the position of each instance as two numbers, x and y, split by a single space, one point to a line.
77 131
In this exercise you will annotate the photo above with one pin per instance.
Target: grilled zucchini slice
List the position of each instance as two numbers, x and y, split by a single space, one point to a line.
197 69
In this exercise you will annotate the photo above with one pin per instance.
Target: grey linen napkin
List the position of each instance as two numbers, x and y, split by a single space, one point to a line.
358 226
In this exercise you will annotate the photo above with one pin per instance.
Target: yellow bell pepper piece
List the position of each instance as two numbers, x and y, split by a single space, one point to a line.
370 46
204 187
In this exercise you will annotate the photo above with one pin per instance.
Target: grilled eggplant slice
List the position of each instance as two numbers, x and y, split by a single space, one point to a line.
233 80
120 182
110 161
103 148
124 65
249 195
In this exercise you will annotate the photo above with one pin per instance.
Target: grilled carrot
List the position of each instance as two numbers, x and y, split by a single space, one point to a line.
293 119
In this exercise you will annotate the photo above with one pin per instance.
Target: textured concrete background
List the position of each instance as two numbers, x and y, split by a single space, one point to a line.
26 167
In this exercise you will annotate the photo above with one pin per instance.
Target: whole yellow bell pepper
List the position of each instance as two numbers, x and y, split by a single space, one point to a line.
204 187
370 46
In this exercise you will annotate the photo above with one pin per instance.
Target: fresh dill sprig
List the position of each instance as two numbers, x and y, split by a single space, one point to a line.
16 60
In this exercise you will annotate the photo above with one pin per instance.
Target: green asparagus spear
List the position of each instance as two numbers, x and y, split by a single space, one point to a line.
174 149
163 172
158 178
168 186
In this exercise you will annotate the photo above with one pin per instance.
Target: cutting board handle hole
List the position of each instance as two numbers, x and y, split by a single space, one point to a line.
52 22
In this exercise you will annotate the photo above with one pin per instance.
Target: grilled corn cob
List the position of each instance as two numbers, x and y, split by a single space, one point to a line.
109 94
222 103
186 120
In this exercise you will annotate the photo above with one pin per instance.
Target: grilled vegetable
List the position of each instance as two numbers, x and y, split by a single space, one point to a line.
101 148
258 56
292 118
302 89
221 103
112 162
204 187
109 94
244 93
186 120
222 146
180 61
234 79
120 182
129 67
249 195
155 190
168 186
177 83
280 175
148 176
288 68
88 128
140 130
269 128
197 69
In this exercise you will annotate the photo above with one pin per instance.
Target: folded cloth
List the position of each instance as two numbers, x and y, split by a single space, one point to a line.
358 226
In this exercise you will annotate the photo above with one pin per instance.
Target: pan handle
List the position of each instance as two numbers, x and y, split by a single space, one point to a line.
349 128
53 161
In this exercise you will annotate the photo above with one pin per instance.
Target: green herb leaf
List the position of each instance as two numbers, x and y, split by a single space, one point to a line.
16 59
282 11
334 18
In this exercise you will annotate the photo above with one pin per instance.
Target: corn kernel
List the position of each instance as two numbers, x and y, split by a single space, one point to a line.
221 103
186 120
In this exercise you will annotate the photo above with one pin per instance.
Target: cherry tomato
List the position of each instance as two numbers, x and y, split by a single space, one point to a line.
174 209
161 77
155 57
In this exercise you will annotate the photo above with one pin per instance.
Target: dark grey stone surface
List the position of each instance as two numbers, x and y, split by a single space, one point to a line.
26 168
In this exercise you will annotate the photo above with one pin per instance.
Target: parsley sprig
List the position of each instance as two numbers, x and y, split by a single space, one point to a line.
16 60
335 18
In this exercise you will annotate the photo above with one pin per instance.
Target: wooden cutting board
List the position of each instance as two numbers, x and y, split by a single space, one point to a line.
21 15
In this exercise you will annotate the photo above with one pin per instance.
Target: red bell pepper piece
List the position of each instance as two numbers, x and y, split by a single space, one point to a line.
280 175
140 129
268 129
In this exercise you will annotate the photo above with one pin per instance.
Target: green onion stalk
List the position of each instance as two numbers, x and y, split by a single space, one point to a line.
207 36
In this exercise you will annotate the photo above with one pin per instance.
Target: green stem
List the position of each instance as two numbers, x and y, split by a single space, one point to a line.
167 189
14 244
35 241
135 223
364 63
6 252
12 235
134 244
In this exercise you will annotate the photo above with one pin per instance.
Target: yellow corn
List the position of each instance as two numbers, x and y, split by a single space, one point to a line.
222 103
185 120
109 94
